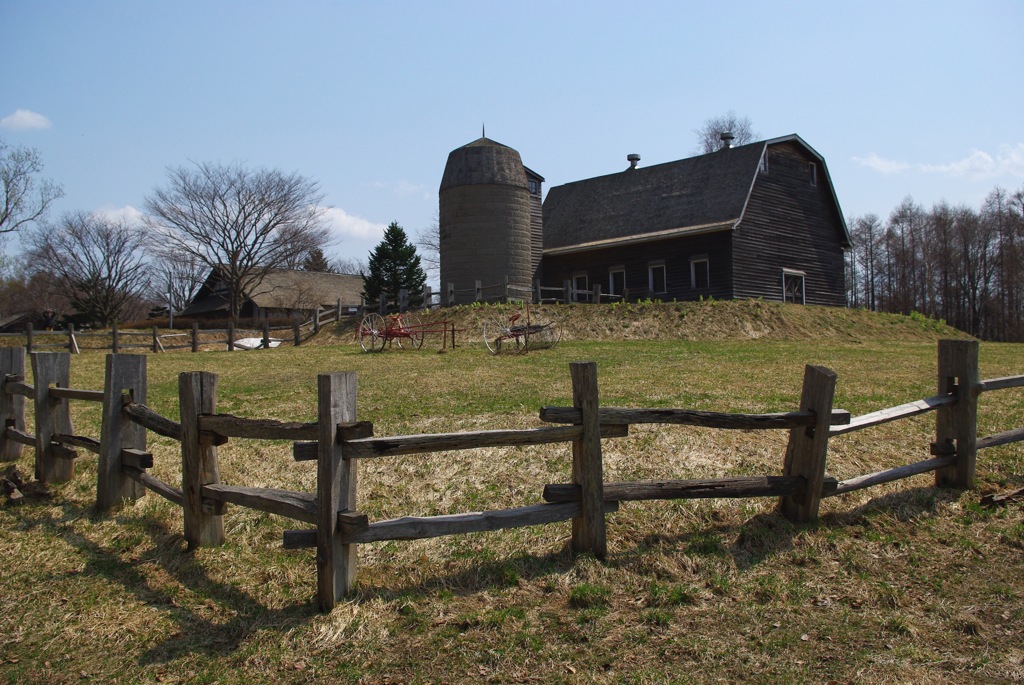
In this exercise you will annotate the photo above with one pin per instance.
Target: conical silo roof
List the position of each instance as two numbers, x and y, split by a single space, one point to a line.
484 161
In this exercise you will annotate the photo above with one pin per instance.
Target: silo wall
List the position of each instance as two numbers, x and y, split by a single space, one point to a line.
485 236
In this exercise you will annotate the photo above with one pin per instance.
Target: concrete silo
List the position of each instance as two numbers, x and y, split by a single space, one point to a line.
485 221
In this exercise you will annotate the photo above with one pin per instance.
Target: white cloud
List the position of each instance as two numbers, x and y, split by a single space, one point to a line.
403 188
979 165
23 120
882 166
345 225
126 214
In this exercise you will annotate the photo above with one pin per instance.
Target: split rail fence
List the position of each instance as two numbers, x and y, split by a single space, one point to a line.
337 440
118 339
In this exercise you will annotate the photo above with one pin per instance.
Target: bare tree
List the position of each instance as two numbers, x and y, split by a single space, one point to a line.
176 279
428 240
95 262
348 265
245 222
25 198
709 136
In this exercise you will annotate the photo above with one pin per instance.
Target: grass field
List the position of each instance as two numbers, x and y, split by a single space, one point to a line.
900 583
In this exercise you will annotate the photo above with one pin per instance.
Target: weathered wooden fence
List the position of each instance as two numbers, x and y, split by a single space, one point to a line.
337 440
197 338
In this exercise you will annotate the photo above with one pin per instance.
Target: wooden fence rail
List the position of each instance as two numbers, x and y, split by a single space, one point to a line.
338 439
194 339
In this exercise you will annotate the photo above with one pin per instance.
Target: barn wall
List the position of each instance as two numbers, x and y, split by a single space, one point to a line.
635 259
790 224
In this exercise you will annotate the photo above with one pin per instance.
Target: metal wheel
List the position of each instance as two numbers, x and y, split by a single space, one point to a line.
495 332
412 332
372 333
547 335
539 336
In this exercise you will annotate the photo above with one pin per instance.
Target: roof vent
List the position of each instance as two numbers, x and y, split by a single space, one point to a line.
727 137
632 159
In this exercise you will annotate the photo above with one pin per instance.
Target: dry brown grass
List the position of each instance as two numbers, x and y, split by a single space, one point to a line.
901 583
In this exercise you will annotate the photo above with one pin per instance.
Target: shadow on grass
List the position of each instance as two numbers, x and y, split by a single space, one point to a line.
196 634
747 543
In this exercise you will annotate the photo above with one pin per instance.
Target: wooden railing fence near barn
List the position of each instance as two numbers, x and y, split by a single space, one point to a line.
337 440
195 339
505 291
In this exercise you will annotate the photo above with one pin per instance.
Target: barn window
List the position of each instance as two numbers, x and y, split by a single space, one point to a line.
580 288
617 280
813 173
793 286
656 282
700 273
534 187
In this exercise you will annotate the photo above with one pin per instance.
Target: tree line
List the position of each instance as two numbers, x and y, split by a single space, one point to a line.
956 263
102 269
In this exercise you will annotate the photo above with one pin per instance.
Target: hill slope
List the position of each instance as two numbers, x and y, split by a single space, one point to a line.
710 320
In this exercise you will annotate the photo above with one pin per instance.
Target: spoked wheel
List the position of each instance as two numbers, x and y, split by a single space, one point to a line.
372 333
539 336
545 336
494 333
412 332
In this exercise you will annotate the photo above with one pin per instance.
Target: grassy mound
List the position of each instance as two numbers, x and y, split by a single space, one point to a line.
717 320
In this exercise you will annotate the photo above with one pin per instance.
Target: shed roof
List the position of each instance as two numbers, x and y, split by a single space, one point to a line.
284 289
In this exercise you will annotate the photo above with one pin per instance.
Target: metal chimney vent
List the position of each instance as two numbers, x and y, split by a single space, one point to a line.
633 159
727 137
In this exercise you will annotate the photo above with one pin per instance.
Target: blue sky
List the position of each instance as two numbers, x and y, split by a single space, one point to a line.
368 98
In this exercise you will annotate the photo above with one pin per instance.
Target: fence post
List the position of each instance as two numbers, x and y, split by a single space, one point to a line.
197 394
597 293
956 425
403 299
195 336
125 372
336 488
567 293
805 453
12 407
156 339
479 291
231 336
508 288
428 297
54 463
588 529
113 339
72 343
297 332
265 342
451 294
382 304
316 320
28 337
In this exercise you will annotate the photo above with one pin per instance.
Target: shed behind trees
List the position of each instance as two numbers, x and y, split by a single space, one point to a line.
281 292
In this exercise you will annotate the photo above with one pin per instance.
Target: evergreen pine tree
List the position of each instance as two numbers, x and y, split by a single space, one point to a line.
394 265
316 261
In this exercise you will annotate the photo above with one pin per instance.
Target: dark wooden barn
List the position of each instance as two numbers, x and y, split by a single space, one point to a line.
759 220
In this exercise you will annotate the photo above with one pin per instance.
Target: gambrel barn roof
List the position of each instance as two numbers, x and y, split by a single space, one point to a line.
686 197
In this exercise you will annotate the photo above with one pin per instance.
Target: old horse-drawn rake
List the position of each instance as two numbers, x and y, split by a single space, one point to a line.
520 334
406 329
